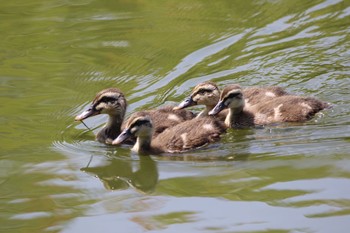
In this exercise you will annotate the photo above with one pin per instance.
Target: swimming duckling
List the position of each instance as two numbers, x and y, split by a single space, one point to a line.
288 108
185 136
166 117
208 94
111 101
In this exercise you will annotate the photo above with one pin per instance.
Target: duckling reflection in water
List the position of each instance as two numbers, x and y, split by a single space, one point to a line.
182 137
208 94
288 108
112 102
119 174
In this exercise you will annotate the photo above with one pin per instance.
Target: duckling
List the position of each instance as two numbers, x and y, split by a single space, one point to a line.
166 117
208 94
185 136
288 108
111 101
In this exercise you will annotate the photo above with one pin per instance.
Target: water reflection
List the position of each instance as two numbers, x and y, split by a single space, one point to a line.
118 174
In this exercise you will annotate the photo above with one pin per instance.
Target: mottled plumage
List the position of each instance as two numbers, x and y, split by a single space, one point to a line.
257 95
208 94
285 108
165 117
185 136
288 109
111 101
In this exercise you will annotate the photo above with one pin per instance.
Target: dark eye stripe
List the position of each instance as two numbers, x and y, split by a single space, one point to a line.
107 99
104 99
233 95
140 122
202 91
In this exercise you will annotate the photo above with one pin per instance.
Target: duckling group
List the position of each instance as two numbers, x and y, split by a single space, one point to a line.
175 129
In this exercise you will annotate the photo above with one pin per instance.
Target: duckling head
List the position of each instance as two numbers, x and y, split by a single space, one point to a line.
231 97
137 126
206 93
110 101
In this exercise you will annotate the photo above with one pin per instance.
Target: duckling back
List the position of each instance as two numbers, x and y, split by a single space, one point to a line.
189 135
165 117
285 108
288 109
257 95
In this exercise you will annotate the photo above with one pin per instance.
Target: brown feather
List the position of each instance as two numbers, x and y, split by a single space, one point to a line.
188 135
162 118
182 137
256 95
284 108
289 109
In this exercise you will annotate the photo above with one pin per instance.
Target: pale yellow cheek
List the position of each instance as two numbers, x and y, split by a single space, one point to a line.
212 99
100 106
196 99
236 103
133 130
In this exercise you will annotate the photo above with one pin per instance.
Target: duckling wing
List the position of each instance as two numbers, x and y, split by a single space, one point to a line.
189 135
289 109
166 117
257 95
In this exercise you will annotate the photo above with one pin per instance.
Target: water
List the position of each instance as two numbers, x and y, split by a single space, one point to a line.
55 55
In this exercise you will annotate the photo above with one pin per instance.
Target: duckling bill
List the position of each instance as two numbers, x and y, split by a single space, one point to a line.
187 102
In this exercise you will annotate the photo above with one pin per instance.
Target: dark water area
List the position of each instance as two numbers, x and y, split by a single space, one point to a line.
56 55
